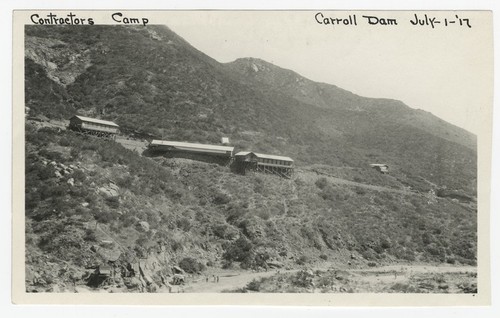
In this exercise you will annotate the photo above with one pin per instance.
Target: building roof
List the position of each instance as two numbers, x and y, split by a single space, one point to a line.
178 144
97 121
242 153
264 156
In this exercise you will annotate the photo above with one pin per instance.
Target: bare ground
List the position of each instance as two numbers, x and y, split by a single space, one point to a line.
392 278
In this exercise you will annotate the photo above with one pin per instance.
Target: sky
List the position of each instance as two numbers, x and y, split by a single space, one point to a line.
447 71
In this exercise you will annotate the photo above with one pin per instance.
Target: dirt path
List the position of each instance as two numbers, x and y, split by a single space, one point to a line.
337 180
132 144
227 281
368 277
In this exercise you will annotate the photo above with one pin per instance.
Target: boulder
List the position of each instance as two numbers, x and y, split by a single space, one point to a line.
177 270
32 276
71 182
152 288
116 290
110 190
144 225
148 279
54 289
82 289
275 264
109 254
132 282
309 272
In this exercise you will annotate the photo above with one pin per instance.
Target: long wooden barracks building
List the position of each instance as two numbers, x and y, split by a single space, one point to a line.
224 151
209 153
279 165
93 126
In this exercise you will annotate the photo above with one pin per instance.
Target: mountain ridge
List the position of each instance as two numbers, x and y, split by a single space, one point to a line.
331 96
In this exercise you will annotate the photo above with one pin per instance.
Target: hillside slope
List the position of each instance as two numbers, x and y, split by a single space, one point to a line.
91 201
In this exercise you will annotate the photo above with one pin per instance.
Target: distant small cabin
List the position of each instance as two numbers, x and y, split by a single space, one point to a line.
279 165
93 126
380 167
212 153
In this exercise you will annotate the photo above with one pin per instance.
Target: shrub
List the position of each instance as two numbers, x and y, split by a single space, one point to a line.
113 202
103 216
225 231
368 254
65 141
323 257
321 183
44 172
302 279
221 199
184 224
403 288
385 243
176 246
263 214
190 265
254 285
360 190
51 155
79 175
32 200
241 251
302 260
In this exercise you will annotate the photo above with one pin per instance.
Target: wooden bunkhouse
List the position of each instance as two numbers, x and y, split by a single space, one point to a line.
380 167
211 153
93 126
279 165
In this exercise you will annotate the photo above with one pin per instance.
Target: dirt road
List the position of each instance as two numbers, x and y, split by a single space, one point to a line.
228 281
341 181
368 279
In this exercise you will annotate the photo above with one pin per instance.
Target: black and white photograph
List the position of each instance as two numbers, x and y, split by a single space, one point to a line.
255 152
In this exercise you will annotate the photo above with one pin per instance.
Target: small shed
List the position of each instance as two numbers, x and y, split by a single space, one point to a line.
105 270
380 167
93 126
